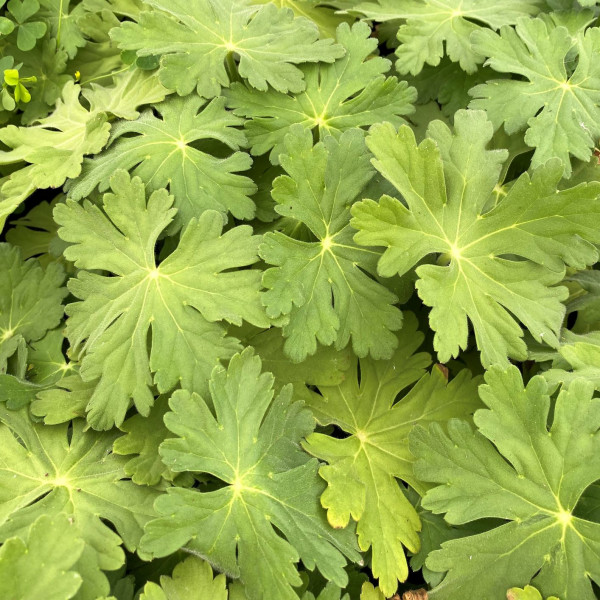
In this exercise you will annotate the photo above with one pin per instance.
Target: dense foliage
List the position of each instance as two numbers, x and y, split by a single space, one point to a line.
299 299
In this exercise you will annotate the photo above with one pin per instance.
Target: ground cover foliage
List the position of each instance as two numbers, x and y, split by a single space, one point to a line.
299 299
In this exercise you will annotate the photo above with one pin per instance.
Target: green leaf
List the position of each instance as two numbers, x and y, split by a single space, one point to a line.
579 357
66 400
41 567
526 593
251 445
143 436
555 105
586 304
326 367
55 152
325 18
323 287
191 579
35 234
30 297
494 263
161 151
351 92
518 468
46 470
181 300
363 467
268 41
129 90
432 26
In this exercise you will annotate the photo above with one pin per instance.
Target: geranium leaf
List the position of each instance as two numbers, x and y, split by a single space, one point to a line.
181 300
495 260
251 444
194 46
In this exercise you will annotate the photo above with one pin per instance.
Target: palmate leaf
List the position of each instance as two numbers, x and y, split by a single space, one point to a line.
30 300
557 107
363 466
519 468
54 149
196 39
432 26
41 566
47 470
323 287
351 92
163 154
251 443
181 300
500 261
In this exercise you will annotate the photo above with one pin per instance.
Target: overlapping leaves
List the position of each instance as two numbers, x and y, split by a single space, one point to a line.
181 300
251 443
496 260
525 468
362 467
323 287
351 92
195 40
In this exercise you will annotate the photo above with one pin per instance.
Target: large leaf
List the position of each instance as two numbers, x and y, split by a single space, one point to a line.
251 444
47 470
323 287
363 467
351 92
432 26
499 263
162 152
556 105
181 300
196 39
519 468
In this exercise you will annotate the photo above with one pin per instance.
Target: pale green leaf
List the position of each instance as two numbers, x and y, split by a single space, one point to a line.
251 444
323 287
46 470
351 92
434 27
529 471
182 300
555 105
363 467
41 567
497 266
196 40
162 152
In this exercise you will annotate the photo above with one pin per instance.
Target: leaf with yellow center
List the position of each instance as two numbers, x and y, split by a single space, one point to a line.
184 300
351 92
266 516
556 105
499 263
363 468
49 470
431 27
528 470
324 287
195 39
